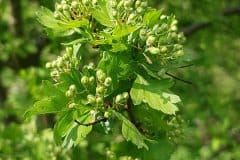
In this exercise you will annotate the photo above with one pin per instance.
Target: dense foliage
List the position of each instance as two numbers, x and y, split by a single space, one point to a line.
112 66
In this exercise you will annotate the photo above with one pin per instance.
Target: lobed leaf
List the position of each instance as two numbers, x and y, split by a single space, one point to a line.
130 132
153 94
77 132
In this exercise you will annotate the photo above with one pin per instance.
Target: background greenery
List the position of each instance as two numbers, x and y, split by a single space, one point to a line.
210 104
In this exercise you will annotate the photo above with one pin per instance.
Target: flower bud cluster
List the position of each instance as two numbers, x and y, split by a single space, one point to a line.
176 130
121 99
162 42
62 64
73 9
71 91
98 86
129 11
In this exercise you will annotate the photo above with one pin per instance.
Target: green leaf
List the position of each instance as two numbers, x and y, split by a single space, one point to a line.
62 125
78 132
54 101
152 17
121 31
153 94
130 132
118 47
45 106
46 18
151 120
103 14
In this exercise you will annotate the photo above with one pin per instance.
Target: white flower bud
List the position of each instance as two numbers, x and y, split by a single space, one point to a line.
106 114
118 99
72 105
154 50
65 7
108 81
100 75
74 4
48 65
84 80
91 79
137 3
164 49
162 17
59 7
69 93
139 10
72 87
99 100
125 95
144 4
150 41
91 99
100 90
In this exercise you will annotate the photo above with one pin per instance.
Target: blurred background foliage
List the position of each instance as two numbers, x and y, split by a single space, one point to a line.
210 104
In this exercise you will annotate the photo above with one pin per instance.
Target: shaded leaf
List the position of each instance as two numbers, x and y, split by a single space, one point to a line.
78 132
130 132
62 125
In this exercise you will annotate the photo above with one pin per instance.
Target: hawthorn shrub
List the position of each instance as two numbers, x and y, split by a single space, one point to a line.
135 46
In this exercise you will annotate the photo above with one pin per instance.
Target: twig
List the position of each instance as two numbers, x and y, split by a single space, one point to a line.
185 66
175 77
92 123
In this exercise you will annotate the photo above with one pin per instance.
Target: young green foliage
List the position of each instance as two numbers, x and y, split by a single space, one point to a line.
133 43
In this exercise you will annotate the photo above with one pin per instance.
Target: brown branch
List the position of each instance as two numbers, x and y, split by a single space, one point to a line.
189 30
92 123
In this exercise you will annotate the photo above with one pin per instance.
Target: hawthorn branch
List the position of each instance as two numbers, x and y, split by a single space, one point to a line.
189 30
175 77
92 123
